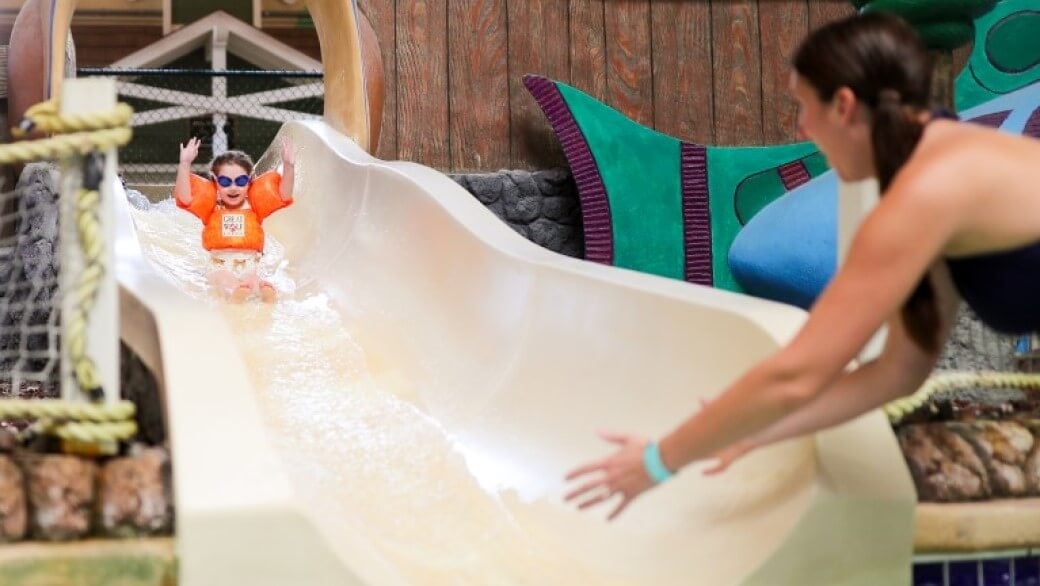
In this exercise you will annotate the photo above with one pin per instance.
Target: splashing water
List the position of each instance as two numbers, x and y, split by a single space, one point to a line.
366 460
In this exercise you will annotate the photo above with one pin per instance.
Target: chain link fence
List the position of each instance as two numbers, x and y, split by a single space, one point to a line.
29 285
225 109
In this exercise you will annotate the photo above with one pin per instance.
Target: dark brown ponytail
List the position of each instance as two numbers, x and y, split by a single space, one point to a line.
880 58
894 136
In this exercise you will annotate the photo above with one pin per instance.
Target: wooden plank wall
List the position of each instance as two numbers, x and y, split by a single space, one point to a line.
710 71
97 46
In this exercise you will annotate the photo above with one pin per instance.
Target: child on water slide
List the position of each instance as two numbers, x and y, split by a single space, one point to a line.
232 206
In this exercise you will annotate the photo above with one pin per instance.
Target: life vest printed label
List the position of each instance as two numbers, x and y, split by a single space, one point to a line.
233 226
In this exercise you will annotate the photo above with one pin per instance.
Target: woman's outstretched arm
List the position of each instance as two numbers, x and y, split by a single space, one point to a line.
899 371
890 253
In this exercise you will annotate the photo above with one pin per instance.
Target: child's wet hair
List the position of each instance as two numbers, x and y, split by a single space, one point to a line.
232 158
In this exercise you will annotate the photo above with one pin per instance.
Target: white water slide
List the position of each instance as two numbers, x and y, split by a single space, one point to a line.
405 413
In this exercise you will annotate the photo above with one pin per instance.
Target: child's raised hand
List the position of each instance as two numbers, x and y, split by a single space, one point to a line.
190 150
288 156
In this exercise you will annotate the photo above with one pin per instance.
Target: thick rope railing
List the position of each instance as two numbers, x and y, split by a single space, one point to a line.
947 381
86 136
79 134
91 243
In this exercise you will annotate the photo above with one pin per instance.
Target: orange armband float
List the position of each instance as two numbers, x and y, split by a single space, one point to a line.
265 194
203 197
235 229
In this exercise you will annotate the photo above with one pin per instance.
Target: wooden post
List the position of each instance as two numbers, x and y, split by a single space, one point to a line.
84 96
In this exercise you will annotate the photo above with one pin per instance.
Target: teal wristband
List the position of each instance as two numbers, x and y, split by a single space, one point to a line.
655 467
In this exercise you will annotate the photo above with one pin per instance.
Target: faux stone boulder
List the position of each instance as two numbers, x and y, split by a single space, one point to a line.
1003 447
1032 464
13 516
8 437
61 496
973 346
944 466
972 460
29 272
134 494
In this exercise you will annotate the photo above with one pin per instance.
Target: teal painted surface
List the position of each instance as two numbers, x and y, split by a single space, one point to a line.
760 189
727 167
757 190
1006 54
640 169
943 24
1014 45
816 163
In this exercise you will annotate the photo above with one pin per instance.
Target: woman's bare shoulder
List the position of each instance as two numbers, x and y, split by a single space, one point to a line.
948 143
955 159
981 182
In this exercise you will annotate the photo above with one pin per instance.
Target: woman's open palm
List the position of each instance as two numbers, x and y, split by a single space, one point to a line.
622 474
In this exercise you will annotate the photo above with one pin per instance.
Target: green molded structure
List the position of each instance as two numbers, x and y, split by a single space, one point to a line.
640 208
1006 54
742 181
943 24
642 171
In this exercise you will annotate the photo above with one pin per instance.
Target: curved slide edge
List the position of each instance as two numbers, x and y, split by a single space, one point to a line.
475 313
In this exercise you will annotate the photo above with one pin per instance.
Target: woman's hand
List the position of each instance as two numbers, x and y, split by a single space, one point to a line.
622 473
190 151
288 156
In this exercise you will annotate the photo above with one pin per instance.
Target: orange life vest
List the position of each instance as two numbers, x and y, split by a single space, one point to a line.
235 229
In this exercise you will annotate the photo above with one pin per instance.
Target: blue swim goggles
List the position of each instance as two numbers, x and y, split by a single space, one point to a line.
241 181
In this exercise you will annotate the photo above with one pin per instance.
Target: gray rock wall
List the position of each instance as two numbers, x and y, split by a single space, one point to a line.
28 275
139 386
541 205
973 460
973 346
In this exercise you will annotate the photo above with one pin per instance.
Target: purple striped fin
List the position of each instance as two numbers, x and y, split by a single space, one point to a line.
696 213
794 174
1032 127
993 120
595 208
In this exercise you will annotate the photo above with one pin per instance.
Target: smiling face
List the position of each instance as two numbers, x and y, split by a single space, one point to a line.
234 195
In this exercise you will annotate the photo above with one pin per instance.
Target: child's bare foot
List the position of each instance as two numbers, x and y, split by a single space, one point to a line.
240 294
268 293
